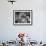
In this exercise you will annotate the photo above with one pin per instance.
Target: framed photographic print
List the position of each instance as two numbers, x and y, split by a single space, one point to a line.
22 17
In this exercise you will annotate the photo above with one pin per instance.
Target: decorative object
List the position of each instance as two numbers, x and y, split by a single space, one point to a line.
22 17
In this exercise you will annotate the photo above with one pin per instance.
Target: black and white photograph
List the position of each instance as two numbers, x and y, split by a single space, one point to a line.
22 16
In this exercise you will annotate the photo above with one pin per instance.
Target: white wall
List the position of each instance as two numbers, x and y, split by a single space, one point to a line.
38 30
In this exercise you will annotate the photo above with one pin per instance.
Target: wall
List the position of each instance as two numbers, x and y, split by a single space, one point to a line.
38 30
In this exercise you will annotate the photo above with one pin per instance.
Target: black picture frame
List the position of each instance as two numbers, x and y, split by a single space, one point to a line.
19 13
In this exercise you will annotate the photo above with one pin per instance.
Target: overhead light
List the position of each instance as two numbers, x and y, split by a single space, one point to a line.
12 1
